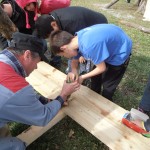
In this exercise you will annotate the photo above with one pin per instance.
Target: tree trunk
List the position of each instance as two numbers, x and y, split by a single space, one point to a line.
147 11
111 3
141 7
7 27
137 2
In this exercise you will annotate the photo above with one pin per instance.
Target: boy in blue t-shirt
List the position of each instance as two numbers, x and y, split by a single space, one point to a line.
106 45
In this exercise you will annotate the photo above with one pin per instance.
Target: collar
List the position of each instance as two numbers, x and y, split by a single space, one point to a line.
14 62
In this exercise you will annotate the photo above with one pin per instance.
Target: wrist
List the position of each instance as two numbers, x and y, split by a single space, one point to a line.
83 77
74 71
64 96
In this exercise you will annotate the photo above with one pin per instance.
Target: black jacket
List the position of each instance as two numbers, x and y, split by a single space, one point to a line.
19 19
75 18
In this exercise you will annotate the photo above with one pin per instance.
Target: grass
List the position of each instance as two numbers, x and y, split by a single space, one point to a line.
128 94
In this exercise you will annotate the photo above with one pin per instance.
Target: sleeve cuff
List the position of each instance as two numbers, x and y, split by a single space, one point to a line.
60 99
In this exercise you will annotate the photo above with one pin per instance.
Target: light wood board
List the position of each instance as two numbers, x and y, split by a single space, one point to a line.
99 116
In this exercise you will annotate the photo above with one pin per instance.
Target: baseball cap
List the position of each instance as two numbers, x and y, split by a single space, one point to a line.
22 41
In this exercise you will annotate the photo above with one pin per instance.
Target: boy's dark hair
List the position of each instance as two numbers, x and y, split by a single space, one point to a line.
43 26
58 39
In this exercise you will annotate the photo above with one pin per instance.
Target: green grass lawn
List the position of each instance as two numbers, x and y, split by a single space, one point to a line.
128 94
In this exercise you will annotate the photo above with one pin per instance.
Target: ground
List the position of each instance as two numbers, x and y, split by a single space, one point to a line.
67 134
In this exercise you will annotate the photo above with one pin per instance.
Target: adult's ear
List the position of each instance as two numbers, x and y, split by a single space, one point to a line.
27 54
25 58
54 25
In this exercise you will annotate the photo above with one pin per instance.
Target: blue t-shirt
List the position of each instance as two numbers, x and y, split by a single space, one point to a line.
104 42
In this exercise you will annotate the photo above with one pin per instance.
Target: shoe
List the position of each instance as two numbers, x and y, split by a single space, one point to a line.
144 111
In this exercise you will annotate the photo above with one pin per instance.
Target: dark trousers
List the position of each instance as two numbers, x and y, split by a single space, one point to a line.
145 101
107 82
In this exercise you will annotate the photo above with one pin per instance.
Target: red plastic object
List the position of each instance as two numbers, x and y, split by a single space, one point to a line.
131 125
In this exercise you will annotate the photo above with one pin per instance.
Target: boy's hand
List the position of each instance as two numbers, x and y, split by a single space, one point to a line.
71 77
80 80
82 60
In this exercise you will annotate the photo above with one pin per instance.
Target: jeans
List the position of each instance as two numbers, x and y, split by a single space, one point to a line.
11 143
145 101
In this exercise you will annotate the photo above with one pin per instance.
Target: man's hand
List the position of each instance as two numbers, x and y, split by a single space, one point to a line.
68 89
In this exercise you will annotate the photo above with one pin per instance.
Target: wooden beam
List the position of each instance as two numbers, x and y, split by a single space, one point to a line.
99 116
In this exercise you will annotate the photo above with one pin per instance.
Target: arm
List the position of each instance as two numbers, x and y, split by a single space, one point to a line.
25 107
100 68
74 71
74 65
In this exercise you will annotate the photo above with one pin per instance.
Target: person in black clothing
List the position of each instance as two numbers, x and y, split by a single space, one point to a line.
70 19
144 105
18 17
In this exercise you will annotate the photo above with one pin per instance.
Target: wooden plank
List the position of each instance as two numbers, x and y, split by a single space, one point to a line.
41 83
99 116
47 80
102 118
